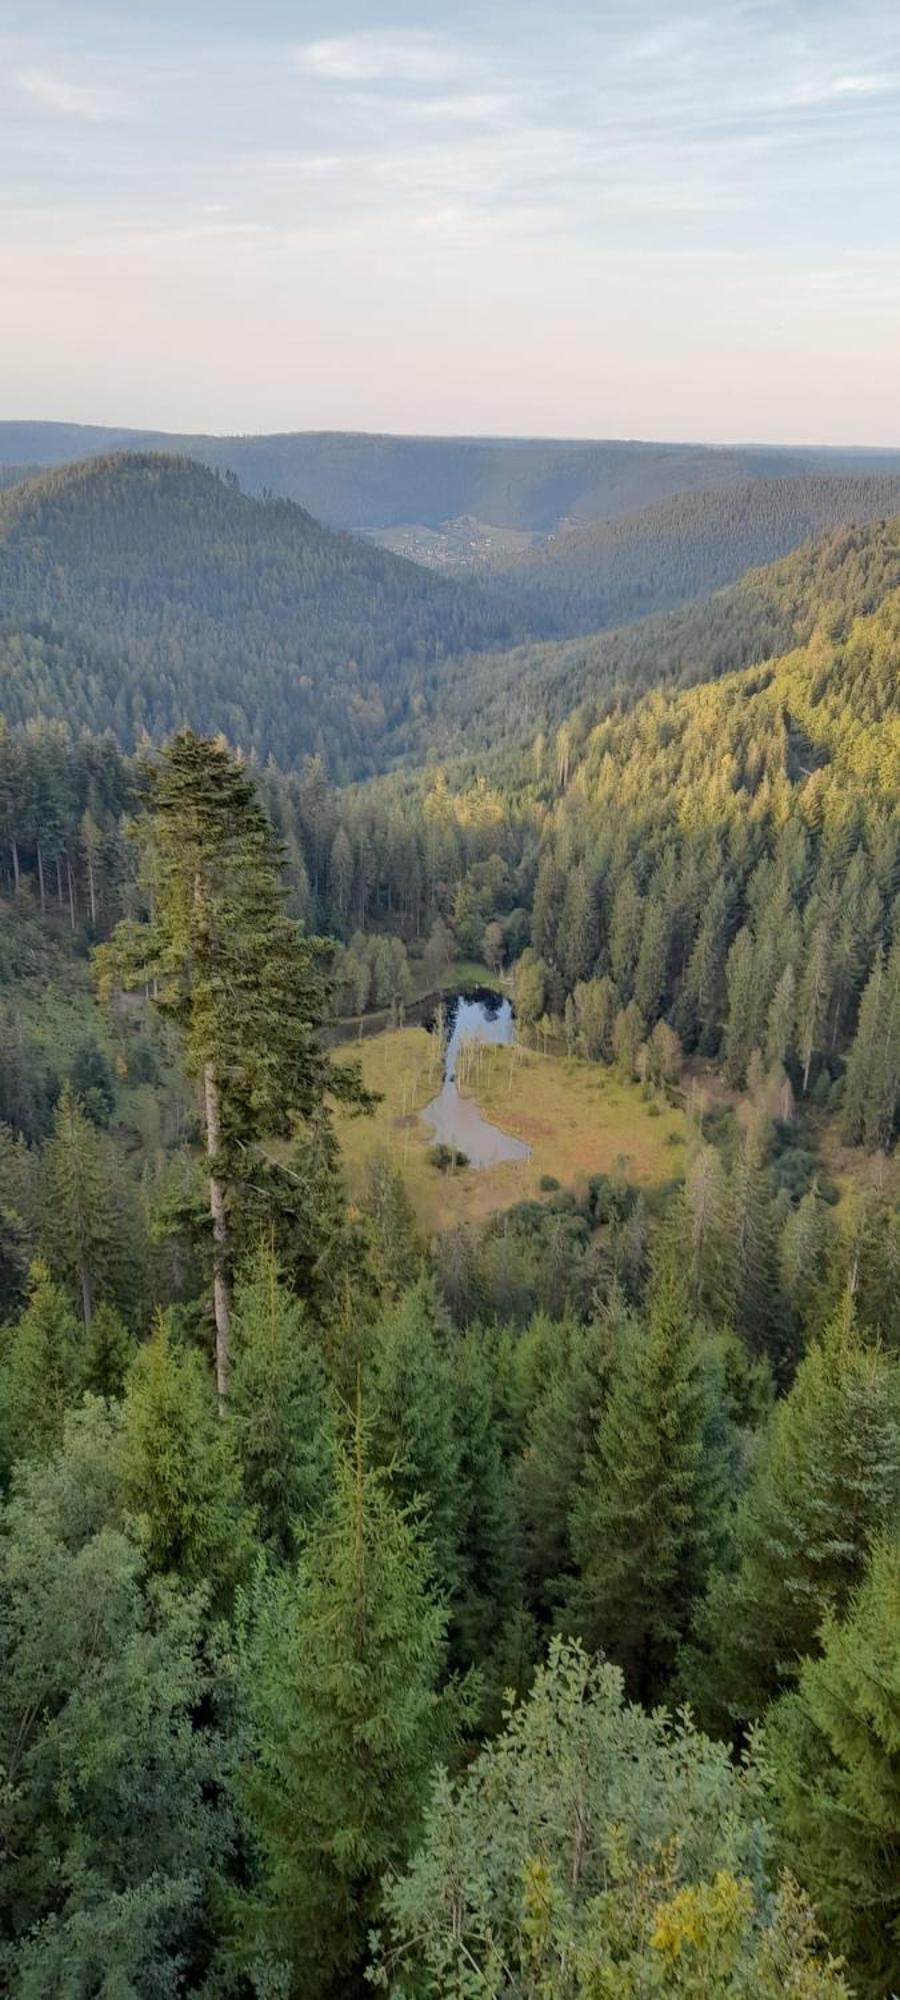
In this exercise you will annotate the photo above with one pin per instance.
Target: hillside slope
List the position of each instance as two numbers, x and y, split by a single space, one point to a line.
139 593
497 705
367 482
612 572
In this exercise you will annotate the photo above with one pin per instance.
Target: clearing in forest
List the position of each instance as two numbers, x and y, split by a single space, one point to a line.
577 1117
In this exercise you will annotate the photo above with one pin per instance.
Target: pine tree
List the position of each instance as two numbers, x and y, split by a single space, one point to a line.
596 1005
625 932
183 1480
490 1589
651 972
110 1826
826 1486
342 1720
411 1410
231 970
78 1205
40 1363
872 1083
281 1408
644 1525
707 1239
834 1746
753 1261
705 978
107 1353
560 1432
340 876
803 1254
577 937
813 999
744 1027
782 1019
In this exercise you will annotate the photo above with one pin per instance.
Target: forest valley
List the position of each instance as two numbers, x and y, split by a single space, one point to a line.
509 1611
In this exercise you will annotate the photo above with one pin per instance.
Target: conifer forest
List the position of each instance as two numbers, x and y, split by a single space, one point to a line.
421 1575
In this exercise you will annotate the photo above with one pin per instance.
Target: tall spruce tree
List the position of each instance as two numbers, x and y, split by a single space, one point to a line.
834 1747
41 1357
281 1408
110 1826
758 1308
342 1719
645 1524
411 1407
183 1480
78 1220
872 1083
826 1486
225 963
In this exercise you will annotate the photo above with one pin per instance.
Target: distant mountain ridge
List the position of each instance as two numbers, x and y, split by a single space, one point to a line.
367 482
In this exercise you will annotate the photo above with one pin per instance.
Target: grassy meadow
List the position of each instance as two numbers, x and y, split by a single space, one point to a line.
577 1118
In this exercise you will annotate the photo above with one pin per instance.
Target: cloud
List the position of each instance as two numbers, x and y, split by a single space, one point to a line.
378 58
832 89
70 100
469 108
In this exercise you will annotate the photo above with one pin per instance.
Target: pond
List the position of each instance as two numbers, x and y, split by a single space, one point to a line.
456 1120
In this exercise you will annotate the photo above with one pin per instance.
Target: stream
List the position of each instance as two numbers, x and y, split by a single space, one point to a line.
455 1120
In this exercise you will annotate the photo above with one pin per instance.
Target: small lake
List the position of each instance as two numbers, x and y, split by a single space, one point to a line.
455 1120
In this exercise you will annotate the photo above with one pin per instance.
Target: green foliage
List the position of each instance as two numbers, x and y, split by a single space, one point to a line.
218 612
183 1476
572 1365
827 1484
281 1408
41 1360
82 1222
340 1661
107 1352
92 1082
596 1850
411 1410
231 970
108 1830
834 1746
607 572
683 841
647 1517
872 1091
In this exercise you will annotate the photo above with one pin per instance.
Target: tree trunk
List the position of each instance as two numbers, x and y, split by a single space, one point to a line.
14 850
221 1296
59 886
87 1296
71 893
92 893
40 866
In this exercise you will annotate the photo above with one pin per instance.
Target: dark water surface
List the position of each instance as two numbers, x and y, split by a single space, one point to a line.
456 1121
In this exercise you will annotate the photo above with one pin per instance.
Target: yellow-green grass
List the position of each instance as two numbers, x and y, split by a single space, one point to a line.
577 1118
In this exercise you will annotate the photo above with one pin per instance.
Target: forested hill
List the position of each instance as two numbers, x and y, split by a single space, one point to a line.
611 572
139 593
364 481
495 709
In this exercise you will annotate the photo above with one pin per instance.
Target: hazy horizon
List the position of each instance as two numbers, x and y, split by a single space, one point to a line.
888 446
656 222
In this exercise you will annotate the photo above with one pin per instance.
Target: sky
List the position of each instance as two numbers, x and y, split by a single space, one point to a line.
576 220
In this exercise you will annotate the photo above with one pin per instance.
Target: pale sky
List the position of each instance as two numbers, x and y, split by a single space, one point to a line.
625 218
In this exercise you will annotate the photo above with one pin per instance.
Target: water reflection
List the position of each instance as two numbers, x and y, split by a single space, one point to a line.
456 1121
